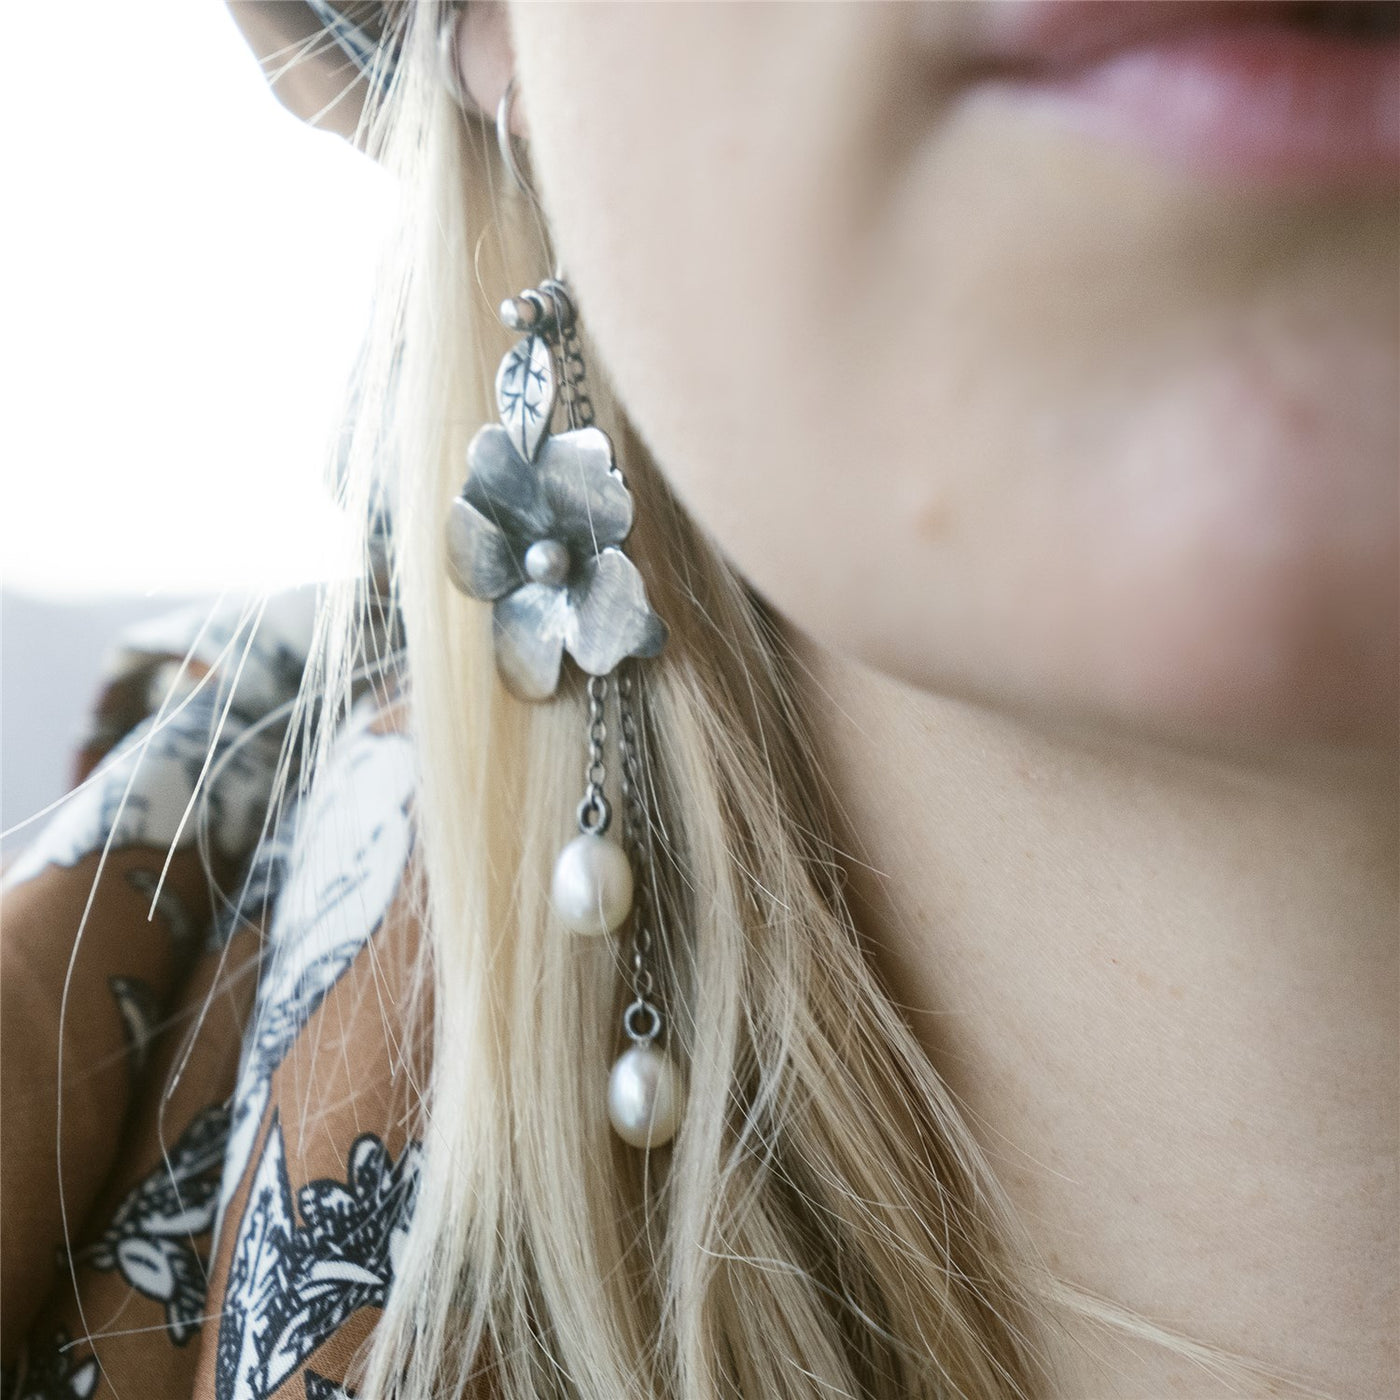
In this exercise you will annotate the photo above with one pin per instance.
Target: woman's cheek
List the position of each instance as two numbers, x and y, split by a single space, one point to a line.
996 413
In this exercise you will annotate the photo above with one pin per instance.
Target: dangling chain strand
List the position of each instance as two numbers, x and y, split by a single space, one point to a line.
646 1095
595 811
642 1019
578 407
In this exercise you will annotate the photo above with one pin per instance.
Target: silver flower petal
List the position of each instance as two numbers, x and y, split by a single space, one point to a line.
480 559
529 627
610 617
504 487
591 505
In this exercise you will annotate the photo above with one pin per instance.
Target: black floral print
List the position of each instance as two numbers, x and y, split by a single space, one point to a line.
57 1371
290 1287
340 866
151 1240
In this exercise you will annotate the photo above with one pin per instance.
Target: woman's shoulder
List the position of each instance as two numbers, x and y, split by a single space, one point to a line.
259 1149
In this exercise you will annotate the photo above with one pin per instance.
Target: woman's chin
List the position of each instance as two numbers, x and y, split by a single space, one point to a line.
1220 572
1272 671
1249 549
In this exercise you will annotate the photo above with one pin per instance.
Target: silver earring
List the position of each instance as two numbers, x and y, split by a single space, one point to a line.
538 532
448 67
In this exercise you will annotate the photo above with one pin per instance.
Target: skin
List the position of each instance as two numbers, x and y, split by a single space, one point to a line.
1073 473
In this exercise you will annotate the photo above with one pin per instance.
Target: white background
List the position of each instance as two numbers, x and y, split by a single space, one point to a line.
186 271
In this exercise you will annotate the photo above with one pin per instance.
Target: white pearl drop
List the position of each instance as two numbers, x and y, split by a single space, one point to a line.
592 886
645 1097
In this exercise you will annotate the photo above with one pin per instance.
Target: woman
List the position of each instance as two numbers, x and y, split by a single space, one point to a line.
1006 1005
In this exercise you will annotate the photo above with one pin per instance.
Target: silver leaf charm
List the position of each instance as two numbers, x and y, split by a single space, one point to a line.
525 393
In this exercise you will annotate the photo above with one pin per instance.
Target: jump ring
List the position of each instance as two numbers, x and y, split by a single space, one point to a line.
653 1024
594 814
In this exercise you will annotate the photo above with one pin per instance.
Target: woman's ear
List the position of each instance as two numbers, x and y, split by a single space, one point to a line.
313 77
310 77
486 58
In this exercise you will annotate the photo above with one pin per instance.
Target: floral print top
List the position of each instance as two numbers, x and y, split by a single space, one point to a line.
206 1173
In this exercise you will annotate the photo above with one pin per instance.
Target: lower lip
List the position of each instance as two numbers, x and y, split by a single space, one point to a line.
1267 105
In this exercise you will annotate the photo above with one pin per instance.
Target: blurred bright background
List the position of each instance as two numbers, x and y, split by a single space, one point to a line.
187 275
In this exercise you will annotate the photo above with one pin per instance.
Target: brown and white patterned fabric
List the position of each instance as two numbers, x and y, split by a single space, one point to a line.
206 1172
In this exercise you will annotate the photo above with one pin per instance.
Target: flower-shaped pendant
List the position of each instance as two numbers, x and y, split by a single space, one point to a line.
537 531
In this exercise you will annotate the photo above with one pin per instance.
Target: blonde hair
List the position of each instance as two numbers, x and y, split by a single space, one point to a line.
825 1224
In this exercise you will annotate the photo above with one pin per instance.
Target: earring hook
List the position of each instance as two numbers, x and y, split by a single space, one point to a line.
507 146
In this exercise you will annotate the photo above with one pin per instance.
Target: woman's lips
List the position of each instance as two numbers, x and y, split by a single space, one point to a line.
1269 93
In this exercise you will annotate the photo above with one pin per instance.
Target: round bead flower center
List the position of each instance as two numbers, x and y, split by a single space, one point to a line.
547 561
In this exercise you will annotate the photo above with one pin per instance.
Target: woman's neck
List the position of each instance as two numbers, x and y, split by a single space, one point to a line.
1166 992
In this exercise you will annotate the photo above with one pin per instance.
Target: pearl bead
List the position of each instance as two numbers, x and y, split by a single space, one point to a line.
592 886
547 561
645 1097
519 313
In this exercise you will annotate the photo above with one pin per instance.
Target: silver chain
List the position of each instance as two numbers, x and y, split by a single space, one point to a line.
642 1019
578 407
595 811
577 404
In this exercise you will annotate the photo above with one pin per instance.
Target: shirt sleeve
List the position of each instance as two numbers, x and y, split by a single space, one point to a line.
104 913
250 1187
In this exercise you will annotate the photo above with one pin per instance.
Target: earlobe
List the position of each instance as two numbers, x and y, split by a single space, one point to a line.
485 58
